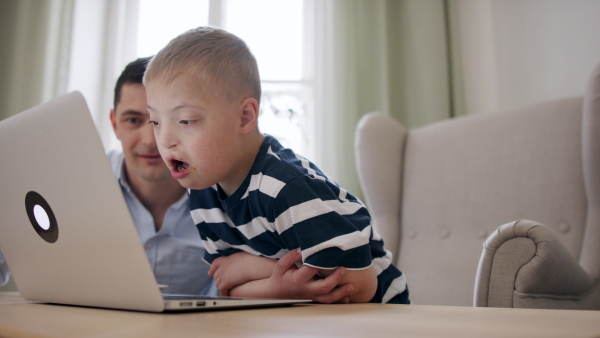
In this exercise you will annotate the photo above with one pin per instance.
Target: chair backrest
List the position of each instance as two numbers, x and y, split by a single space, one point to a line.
437 192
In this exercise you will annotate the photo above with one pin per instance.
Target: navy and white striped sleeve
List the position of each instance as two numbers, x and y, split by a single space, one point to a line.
331 227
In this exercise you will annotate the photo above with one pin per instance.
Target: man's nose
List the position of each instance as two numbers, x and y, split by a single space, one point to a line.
148 138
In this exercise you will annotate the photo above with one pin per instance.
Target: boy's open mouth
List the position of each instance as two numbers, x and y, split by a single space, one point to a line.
180 165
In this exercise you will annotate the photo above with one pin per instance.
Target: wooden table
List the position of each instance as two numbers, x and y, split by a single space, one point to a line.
24 319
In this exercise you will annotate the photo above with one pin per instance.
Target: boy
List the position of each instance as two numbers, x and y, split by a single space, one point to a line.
249 195
158 204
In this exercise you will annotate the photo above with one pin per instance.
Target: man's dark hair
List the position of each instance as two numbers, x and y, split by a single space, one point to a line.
133 73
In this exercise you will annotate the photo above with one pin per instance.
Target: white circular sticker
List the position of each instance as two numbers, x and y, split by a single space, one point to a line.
41 216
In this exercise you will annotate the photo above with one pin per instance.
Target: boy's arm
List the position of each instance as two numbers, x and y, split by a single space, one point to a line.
239 268
364 282
321 217
289 281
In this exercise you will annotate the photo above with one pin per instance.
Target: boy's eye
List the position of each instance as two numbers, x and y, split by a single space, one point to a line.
154 123
187 121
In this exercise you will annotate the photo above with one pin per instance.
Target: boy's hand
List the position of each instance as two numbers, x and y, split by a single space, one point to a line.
289 281
239 268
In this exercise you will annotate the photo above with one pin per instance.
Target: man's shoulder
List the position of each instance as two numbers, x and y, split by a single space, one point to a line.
115 156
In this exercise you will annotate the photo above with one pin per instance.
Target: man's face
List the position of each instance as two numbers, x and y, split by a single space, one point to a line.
130 123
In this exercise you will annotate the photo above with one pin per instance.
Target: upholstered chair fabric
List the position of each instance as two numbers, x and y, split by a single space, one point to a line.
439 193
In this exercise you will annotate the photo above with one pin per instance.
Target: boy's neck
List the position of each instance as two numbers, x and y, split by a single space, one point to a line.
250 148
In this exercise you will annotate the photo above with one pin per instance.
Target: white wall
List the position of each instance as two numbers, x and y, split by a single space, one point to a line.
524 51
545 49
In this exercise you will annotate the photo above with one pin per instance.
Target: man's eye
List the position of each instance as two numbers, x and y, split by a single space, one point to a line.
133 120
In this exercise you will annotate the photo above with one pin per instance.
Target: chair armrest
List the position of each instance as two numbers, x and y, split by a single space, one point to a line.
524 264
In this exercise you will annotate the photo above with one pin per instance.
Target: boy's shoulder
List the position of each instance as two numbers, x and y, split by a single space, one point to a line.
283 164
277 172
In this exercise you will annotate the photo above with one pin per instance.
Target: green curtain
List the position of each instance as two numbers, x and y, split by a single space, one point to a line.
34 57
389 56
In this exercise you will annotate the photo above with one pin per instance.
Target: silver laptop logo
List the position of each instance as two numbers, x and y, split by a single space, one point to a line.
41 216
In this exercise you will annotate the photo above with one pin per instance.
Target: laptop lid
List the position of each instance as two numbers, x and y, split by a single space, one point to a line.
65 230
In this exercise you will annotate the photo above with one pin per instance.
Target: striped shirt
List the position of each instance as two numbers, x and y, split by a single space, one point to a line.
285 203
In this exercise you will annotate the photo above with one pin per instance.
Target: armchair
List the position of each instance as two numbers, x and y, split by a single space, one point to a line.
524 184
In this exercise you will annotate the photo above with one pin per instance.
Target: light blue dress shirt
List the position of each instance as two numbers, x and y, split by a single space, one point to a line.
4 272
175 252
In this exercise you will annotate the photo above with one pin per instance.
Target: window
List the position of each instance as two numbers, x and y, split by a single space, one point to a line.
275 32
159 21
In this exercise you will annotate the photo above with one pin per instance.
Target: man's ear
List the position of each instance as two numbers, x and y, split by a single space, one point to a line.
249 115
113 121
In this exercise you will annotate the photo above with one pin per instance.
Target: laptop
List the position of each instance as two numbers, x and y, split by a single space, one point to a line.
65 229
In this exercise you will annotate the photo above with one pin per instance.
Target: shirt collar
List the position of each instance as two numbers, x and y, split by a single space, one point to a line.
122 176
182 201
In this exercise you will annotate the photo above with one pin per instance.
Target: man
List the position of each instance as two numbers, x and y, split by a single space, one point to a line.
158 204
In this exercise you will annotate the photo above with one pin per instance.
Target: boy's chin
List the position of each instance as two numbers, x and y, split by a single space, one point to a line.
191 185
186 185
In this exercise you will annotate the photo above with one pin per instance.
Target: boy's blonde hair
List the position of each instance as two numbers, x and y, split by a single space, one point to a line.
220 61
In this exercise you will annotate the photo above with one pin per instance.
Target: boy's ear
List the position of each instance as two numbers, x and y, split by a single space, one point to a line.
249 116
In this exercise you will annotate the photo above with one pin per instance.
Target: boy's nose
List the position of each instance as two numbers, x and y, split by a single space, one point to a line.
165 136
